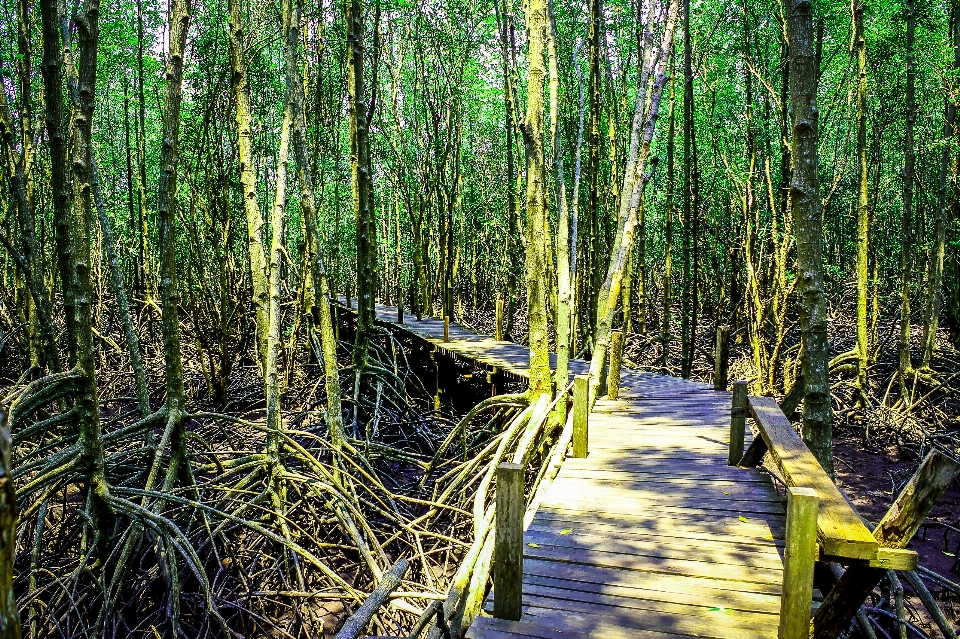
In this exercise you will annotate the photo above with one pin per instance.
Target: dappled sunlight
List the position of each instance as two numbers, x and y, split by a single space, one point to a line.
653 534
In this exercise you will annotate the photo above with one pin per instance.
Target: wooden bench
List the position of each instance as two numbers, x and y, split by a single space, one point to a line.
841 534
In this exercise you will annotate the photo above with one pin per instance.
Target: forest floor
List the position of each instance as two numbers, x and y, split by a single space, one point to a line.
870 476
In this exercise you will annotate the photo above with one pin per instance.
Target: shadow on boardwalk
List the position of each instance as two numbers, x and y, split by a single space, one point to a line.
652 535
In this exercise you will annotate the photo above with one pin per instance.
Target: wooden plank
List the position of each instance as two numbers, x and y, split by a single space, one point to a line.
681 590
490 628
840 531
591 620
697 619
640 563
677 533
654 540
612 502
728 554
621 577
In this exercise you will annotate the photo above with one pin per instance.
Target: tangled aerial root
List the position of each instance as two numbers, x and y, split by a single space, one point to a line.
249 544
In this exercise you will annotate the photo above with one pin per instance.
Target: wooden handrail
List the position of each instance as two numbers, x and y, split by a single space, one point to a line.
841 533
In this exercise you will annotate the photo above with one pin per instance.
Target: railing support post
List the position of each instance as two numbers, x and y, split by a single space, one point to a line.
446 328
399 303
616 359
721 358
498 329
796 599
581 414
508 543
738 420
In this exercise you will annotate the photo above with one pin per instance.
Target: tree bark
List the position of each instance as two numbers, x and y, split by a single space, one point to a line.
313 259
906 239
362 190
656 76
931 315
87 404
806 206
167 214
59 183
248 179
863 200
536 229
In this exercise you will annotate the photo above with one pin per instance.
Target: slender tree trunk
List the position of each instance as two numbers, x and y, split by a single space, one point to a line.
686 339
143 236
806 206
362 198
59 182
653 80
43 345
511 202
667 312
536 228
588 290
248 179
167 214
863 200
931 313
87 405
313 258
563 226
575 206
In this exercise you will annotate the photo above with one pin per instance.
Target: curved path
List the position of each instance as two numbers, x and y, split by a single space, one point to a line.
652 535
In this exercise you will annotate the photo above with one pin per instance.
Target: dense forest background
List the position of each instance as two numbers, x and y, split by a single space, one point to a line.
186 182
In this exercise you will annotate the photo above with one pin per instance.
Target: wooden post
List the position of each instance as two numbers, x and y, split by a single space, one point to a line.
738 421
446 328
616 357
399 304
581 414
721 358
508 543
796 599
498 329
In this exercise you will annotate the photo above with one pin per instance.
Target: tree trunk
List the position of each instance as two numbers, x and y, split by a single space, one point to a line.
248 179
931 315
667 312
536 228
563 228
863 200
175 432
806 206
653 80
686 339
906 240
87 405
313 258
59 183
362 191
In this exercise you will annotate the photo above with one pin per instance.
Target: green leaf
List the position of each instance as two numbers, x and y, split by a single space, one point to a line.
533 545
566 531
743 519
949 554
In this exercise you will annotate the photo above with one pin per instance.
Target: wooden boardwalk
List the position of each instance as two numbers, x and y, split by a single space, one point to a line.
653 534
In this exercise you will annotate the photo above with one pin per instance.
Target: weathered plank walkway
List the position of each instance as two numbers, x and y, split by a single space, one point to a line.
653 534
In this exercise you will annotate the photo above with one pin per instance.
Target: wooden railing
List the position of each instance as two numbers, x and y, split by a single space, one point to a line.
822 525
